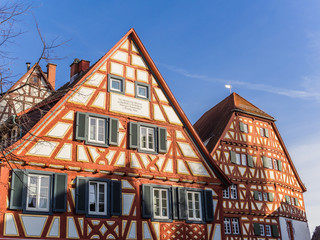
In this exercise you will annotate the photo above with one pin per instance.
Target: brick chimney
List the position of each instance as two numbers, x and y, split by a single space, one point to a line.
51 74
78 66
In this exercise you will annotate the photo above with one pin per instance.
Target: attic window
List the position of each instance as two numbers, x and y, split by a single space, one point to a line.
116 84
142 90
35 80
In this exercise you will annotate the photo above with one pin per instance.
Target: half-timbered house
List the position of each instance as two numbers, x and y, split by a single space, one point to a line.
111 155
265 200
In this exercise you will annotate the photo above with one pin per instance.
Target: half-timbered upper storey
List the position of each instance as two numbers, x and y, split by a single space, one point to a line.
246 144
116 155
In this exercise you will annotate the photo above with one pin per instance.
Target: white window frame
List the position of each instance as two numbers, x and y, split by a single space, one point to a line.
120 84
96 130
192 206
238 158
233 191
226 193
262 233
245 126
227 226
148 130
268 230
235 226
97 193
244 159
37 193
160 205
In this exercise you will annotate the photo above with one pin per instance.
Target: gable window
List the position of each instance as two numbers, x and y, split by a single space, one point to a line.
142 90
227 226
264 132
194 206
233 189
160 203
243 127
225 193
148 138
267 162
96 129
241 159
98 197
115 84
231 226
268 230
38 191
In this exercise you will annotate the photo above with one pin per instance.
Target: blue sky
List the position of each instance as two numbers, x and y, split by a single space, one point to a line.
269 51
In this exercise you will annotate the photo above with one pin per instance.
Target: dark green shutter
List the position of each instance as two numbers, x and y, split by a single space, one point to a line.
208 205
116 198
134 135
146 201
60 192
113 131
275 231
266 132
162 140
81 195
81 126
279 165
241 126
296 201
256 195
233 157
182 203
256 227
250 160
270 196
175 212
265 162
17 188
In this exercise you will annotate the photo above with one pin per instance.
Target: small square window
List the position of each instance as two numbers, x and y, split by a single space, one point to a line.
142 90
116 84
194 206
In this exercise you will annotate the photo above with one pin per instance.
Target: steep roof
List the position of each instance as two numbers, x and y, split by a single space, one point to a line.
212 124
67 90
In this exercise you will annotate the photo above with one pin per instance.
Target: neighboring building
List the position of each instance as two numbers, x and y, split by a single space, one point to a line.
111 155
266 198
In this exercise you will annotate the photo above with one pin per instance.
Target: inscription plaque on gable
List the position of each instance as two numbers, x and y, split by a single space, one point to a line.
129 105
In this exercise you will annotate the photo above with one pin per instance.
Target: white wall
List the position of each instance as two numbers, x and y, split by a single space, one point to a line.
300 229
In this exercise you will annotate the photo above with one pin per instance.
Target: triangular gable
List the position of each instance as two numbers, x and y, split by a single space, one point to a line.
221 124
129 60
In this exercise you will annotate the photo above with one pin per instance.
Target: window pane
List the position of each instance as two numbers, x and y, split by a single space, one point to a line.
244 159
101 130
92 129
238 158
142 91
92 196
116 85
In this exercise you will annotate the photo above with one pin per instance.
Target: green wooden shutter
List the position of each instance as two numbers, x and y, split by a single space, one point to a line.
241 126
296 201
134 135
270 196
250 160
182 203
162 140
113 131
256 227
256 195
17 188
275 231
208 205
146 201
60 192
81 126
81 195
233 157
175 212
116 198
279 165
266 132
